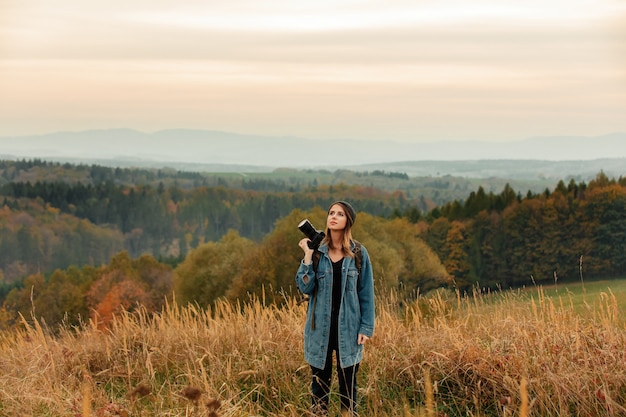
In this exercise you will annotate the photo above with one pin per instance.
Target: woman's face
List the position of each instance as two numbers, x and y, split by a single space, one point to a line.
337 219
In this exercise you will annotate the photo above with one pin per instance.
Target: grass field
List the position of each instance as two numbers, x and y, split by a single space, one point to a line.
557 351
583 293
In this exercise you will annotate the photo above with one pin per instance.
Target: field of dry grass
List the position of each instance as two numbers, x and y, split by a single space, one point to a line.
505 354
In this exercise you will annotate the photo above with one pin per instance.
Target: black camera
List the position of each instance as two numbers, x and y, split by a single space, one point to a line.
315 236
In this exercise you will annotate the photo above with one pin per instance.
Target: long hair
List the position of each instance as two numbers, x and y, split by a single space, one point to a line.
346 240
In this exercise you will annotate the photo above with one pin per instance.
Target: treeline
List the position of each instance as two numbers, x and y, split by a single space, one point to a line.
45 225
577 231
382 173
438 189
33 170
234 268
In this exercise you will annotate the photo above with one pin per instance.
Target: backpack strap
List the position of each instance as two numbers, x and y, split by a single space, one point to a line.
358 255
316 261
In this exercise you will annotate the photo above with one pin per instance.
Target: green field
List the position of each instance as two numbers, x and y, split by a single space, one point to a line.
583 296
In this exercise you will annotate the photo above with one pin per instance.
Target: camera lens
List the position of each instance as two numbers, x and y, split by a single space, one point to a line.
307 228
309 231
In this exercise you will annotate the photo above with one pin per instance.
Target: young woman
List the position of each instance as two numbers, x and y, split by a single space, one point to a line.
340 316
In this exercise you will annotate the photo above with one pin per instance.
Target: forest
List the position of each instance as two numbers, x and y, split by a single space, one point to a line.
80 241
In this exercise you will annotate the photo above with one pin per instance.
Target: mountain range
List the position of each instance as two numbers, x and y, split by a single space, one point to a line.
223 151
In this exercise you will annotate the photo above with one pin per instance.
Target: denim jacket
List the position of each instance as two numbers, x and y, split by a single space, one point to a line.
356 311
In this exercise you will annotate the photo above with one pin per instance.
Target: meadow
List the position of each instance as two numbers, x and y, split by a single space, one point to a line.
553 351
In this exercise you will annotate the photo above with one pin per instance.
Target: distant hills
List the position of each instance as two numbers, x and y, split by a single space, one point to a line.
206 150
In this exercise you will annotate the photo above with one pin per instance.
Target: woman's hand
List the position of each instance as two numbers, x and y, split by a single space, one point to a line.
362 339
308 252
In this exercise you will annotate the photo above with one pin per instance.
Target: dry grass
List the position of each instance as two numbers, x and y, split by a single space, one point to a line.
505 354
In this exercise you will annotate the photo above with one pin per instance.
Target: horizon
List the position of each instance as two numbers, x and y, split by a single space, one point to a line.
101 130
401 71
210 147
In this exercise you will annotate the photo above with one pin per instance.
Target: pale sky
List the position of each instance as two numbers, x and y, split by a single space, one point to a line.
403 70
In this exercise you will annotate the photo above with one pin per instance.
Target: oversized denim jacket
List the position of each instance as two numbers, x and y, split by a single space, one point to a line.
356 312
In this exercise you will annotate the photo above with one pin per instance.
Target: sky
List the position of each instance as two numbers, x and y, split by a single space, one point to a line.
402 70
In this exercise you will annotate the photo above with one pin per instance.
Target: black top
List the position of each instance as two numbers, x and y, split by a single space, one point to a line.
335 303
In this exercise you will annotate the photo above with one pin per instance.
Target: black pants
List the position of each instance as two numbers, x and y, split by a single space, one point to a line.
320 387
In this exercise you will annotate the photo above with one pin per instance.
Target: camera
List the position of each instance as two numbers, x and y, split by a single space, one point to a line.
315 236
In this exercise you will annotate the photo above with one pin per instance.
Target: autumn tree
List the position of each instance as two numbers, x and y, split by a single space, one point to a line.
400 258
61 300
437 234
21 300
485 247
605 212
271 267
126 284
209 270
457 262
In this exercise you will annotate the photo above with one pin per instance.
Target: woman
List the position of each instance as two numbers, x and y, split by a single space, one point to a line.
340 316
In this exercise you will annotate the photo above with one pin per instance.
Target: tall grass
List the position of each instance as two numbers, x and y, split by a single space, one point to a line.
503 354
